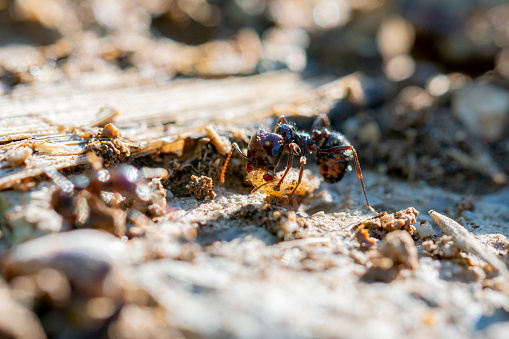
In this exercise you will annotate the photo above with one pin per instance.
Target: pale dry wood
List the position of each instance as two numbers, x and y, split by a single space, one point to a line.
152 115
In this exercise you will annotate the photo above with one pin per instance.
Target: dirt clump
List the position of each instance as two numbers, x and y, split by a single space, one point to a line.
444 248
201 187
384 223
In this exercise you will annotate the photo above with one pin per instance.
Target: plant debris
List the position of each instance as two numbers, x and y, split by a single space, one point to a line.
467 242
201 187
385 223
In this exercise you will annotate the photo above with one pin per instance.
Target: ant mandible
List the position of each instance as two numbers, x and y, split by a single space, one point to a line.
265 150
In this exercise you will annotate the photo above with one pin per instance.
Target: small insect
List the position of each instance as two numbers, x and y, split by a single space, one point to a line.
265 150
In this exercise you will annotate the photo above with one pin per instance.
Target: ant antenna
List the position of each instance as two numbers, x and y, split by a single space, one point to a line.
235 147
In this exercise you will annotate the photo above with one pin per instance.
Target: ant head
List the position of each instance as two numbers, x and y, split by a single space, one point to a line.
264 150
286 131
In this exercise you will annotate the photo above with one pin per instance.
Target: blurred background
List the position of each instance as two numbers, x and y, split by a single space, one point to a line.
432 104
428 103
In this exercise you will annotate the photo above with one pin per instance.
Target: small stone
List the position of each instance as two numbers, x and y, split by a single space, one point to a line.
16 321
18 156
319 214
424 229
400 248
483 109
370 133
87 257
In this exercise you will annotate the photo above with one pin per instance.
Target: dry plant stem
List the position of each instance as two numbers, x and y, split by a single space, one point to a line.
467 242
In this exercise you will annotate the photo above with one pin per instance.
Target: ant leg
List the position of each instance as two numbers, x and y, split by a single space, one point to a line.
294 150
338 149
280 121
321 121
257 188
234 147
301 171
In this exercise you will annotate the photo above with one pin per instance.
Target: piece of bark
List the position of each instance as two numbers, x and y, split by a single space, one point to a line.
152 116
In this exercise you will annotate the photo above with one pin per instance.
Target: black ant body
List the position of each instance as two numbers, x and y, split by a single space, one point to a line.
265 150
334 154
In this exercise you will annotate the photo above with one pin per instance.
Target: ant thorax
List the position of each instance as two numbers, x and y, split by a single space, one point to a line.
287 131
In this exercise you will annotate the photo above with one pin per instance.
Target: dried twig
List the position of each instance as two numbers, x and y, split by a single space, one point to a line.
467 242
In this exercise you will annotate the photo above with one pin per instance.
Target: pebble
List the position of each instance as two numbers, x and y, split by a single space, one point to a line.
424 230
87 257
16 321
483 109
400 248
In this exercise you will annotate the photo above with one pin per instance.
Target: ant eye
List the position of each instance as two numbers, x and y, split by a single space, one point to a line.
268 177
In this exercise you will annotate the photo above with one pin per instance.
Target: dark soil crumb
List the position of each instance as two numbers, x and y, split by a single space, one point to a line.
400 248
201 187
467 204
107 145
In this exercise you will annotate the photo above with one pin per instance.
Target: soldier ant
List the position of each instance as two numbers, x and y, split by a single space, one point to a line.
265 150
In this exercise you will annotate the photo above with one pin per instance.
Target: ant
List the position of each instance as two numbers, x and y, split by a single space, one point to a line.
334 151
81 202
